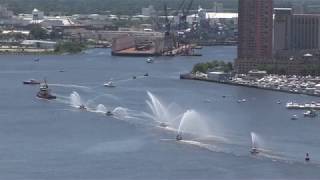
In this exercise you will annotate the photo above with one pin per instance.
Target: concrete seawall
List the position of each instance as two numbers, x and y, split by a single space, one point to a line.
191 77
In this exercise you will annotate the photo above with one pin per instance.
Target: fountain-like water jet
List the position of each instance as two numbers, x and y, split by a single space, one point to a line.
254 143
101 109
159 112
75 101
165 115
192 123
121 112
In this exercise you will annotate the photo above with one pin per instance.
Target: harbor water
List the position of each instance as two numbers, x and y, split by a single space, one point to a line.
42 139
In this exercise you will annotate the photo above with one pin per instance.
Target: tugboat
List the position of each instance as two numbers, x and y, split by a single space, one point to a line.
109 113
44 92
310 113
31 82
179 137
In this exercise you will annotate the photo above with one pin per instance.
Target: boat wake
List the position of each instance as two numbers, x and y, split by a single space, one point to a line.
72 86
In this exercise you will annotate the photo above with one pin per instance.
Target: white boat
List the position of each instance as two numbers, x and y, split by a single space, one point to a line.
149 60
242 100
294 117
310 113
109 84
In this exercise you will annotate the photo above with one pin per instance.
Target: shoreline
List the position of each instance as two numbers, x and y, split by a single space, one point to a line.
190 77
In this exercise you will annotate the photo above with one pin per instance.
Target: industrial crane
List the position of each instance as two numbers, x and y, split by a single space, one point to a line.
183 25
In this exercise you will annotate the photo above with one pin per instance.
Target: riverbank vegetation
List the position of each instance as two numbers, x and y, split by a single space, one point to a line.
213 66
69 47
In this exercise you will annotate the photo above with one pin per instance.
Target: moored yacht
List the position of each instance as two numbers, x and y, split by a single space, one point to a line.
310 113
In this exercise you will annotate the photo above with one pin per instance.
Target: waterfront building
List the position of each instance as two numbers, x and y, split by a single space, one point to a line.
39 44
296 31
255 24
37 15
5 13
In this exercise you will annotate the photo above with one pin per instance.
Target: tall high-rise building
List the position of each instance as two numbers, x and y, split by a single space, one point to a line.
296 32
255 33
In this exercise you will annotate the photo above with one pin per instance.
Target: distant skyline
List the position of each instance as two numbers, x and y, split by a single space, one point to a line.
122 6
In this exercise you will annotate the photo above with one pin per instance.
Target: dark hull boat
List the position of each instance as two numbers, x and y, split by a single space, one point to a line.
31 82
109 113
46 96
44 92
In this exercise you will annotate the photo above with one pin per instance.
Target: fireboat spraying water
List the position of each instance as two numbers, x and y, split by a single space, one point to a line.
179 137
109 113
254 150
82 107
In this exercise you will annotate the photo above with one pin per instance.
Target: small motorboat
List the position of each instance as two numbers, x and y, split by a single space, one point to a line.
31 82
44 92
134 77
207 101
149 60
254 150
242 100
278 102
307 158
109 113
82 107
36 60
163 124
294 117
109 84
179 137
146 74
310 113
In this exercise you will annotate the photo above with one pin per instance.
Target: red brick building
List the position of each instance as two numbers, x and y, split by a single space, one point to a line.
255 34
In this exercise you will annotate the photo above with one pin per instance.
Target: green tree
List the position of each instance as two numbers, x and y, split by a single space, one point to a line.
37 32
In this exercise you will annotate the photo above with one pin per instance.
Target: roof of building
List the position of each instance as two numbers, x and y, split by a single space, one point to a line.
212 15
30 42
